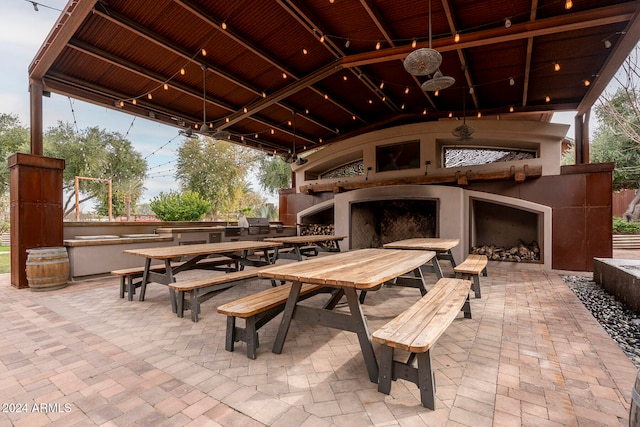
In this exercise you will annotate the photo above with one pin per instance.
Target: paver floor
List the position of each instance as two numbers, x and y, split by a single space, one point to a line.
531 355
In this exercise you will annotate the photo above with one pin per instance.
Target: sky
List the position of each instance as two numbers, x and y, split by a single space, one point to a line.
22 33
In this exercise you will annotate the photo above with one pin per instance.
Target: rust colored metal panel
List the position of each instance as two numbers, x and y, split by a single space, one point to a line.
599 237
569 240
599 189
36 209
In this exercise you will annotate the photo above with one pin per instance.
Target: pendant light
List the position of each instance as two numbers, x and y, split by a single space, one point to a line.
438 82
463 131
424 61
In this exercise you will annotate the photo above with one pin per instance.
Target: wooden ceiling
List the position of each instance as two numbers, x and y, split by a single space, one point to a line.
274 73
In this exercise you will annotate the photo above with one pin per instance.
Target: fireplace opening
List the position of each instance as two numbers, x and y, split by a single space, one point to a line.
374 223
506 233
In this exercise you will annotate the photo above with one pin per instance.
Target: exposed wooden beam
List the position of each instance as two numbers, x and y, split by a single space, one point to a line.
576 21
304 17
610 68
64 29
527 59
155 38
464 64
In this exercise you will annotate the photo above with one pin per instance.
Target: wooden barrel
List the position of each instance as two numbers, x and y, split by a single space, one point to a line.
634 411
47 269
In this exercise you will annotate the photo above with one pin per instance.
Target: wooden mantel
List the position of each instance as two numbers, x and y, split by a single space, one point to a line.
459 177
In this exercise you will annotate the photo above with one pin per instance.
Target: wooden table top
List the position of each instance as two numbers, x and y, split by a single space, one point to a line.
311 238
362 268
424 243
165 252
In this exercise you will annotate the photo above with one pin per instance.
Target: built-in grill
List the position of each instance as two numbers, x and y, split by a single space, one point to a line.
258 225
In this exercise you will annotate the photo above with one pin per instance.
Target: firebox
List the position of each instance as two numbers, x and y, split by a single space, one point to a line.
506 233
376 222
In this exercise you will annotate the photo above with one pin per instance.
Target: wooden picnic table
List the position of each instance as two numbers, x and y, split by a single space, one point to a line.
347 272
441 246
298 242
238 251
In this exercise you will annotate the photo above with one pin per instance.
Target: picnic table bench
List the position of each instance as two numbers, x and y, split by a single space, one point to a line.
416 330
203 288
257 310
471 268
128 275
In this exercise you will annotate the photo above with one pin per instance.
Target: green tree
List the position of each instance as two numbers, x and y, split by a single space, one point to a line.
273 173
618 138
13 138
174 206
98 154
215 169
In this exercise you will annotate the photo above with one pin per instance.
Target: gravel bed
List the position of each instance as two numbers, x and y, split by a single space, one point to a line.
622 324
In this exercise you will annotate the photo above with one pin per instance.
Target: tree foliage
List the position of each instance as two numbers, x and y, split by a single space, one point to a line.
618 137
174 206
215 169
273 173
13 138
100 155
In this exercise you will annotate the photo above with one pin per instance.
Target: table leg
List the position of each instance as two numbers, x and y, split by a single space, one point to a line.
362 330
287 315
145 278
436 267
296 248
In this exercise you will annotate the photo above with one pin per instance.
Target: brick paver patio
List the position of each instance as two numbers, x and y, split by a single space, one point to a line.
531 355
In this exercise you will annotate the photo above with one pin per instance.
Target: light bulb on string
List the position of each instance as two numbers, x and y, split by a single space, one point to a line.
556 66
507 23
568 4
456 38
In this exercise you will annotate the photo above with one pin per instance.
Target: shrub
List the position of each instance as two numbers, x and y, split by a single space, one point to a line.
173 206
620 226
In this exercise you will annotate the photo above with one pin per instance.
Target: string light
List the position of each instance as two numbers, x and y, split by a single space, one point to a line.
479 114
414 43
305 51
568 4
165 86
511 109
436 93
284 75
347 43
182 71
134 101
224 25
556 66
548 98
507 23
607 44
378 46
587 83
511 81
322 39
381 85
245 110
450 114
344 78
204 52
149 96
456 38
424 112
406 90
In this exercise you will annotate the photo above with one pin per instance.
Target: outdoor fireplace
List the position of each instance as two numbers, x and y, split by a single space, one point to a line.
506 233
376 222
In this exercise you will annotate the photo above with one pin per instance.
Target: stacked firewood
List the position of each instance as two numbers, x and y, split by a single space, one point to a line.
522 252
323 229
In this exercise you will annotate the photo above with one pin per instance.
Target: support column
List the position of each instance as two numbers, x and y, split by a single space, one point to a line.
35 92
36 209
581 129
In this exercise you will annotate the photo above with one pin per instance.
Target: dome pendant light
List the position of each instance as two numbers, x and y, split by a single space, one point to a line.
463 131
423 61
438 82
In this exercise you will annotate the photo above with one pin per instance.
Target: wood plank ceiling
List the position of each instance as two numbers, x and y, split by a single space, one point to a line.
274 73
